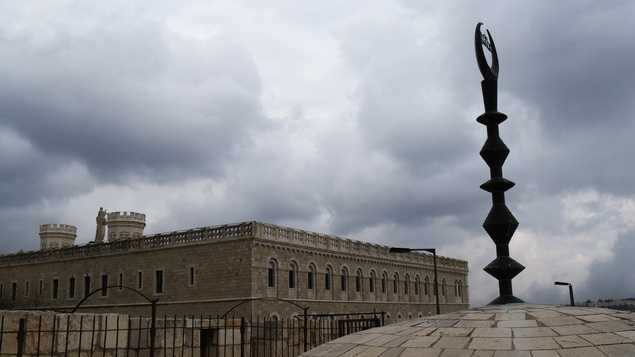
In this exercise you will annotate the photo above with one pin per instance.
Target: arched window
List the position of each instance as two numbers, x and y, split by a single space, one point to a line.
406 284
271 273
371 282
426 286
344 279
395 282
443 286
384 282
417 282
458 286
310 277
293 269
358 281
328 274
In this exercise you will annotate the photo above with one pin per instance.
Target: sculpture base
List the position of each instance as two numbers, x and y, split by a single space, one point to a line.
506 299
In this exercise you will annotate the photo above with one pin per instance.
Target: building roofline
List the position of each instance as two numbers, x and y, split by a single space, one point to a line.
250 229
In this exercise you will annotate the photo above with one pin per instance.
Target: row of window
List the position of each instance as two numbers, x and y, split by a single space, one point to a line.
72 287
311 274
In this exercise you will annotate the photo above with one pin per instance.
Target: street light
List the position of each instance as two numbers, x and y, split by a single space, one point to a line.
570 290
434 259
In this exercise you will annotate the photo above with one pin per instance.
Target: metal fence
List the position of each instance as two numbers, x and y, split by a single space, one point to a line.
108 335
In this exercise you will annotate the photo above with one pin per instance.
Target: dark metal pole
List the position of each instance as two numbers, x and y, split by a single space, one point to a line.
153 327
21 336
306 327
436 281
570 290
434 261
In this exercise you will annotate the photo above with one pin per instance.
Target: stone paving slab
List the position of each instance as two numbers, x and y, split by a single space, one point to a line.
515 330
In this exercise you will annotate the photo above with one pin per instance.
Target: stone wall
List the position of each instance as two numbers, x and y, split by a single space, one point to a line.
207 271
55 334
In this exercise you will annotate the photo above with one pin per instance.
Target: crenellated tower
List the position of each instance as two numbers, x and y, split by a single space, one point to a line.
125 225
55 236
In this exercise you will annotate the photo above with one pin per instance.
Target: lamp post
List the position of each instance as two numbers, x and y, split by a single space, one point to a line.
434 260
570 290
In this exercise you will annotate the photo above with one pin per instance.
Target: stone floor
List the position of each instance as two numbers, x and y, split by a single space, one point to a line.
514 330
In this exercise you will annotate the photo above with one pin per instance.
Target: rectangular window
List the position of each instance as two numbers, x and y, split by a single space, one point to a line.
343 280
291 279
358 283
86 286
14 291
71 287
104 285
372 284
140 280
158 283
417 287
120 283
394 286
271 277
309 280
26 288
1 289
383 285
327 281
41 289
56 287
405 287
191 280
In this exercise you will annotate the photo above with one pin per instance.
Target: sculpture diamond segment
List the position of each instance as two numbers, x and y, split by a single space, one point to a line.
500 223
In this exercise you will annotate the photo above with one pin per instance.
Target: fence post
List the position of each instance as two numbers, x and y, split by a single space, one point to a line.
153 327
306 327
21 337
243 331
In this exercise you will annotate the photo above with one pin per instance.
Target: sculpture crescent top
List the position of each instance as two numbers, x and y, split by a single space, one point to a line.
480 40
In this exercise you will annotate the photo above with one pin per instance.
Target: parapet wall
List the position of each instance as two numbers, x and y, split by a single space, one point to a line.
58 228
127 216
263 231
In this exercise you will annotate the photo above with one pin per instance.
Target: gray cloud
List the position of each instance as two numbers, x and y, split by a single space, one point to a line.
612 277
131 101
354 123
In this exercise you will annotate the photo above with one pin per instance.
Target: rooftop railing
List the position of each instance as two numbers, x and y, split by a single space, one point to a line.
229 231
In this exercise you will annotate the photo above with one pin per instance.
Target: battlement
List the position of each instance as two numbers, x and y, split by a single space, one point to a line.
58 228
127 216
262 231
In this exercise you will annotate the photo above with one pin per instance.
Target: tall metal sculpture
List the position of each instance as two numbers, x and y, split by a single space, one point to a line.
500 224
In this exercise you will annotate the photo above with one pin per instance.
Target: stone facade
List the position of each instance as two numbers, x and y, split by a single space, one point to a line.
210 270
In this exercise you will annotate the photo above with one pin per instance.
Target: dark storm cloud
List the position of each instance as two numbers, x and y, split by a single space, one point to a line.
130 101
408 111
579 71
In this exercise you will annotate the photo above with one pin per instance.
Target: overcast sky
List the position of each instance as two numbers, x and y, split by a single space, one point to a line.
351 118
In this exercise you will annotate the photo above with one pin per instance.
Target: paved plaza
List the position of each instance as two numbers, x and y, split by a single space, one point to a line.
513 330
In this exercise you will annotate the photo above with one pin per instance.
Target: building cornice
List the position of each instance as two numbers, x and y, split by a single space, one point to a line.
297 238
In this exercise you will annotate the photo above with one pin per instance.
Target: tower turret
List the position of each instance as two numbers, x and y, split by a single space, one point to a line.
125 225
55 236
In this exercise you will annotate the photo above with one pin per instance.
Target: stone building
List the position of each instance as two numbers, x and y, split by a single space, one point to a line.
249 268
